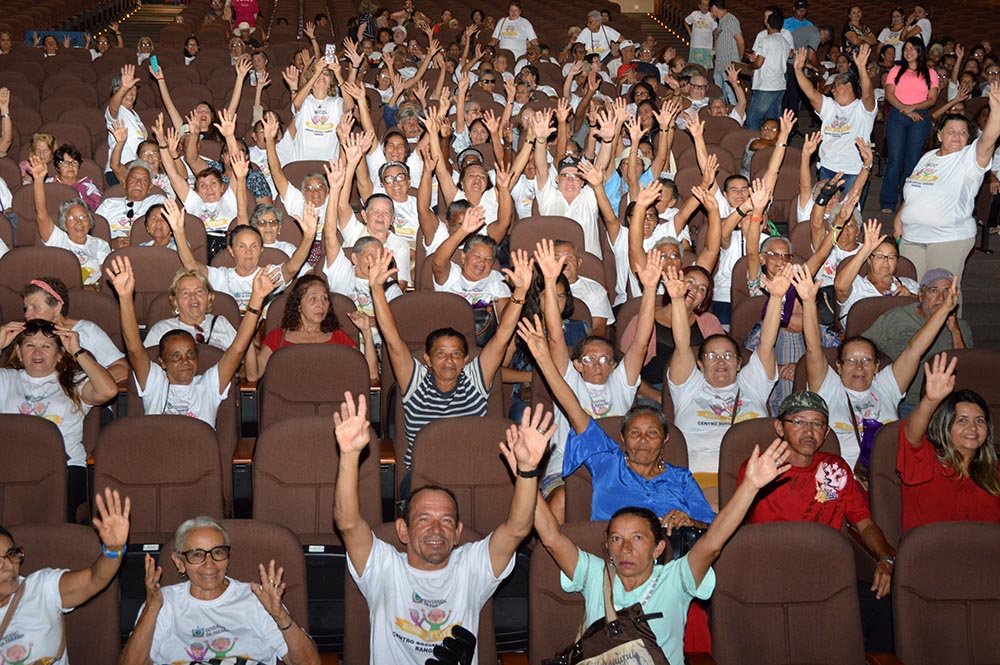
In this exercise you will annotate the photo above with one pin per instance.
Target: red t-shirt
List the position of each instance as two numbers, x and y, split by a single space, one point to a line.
825 492
932 492
276 339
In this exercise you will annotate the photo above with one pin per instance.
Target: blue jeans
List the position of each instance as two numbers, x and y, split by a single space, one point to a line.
904 140
727 90
849 178
764 105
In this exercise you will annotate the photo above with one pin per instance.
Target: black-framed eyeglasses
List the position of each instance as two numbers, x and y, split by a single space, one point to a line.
15 555
485 81
197 556
35 326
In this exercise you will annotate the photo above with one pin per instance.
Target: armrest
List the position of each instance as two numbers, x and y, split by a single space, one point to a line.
387 454
517 658
376 385
90 459
698 659
329 659
243 454
246 385
882 659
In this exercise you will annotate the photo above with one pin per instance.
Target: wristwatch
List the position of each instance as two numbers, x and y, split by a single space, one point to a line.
891 560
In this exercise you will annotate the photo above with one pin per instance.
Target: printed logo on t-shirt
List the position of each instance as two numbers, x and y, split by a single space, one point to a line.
924 175
840 125
428 623
720 412
37 406
18 654
319 121
831 479
214 646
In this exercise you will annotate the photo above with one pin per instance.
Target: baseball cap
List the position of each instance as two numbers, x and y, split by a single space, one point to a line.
568 163
803 400
625 43
935 275
801 4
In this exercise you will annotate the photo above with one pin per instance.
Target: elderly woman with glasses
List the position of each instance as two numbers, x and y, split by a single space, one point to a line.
70 230
882 258
32 606
48 374
67 162
249 621
193 300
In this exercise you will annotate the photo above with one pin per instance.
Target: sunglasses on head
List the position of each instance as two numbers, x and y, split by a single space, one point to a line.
36 326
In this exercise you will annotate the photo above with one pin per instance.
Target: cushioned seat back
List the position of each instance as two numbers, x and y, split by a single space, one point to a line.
22 264
154 269
775 585
33 472
883 483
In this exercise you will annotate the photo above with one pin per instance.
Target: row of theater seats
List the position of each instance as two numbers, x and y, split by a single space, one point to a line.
767 607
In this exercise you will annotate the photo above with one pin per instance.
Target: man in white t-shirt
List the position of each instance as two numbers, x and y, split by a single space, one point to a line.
122 211
474 279
596 36
844 117
416 597
514 32
589 291
768 60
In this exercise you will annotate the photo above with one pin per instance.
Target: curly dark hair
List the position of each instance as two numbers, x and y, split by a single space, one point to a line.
291 319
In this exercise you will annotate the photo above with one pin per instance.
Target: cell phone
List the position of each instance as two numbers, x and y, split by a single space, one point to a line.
154 64
331 54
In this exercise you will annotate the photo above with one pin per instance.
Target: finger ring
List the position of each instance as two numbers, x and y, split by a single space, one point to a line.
272 582
540 430
777 462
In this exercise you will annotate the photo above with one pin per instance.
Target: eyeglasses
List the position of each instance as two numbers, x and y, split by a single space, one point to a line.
778 255
195 557
885 257
799 423
863 362
399 177
315 188
267 222
487 81
934 290
15 555
69 162
596 360
699 86
47 328
571 176
712 356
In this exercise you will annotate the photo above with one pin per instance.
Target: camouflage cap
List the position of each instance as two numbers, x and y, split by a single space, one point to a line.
803 400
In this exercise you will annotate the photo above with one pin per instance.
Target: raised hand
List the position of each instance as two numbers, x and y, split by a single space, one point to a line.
263 80
528 442
952 297
865 50
243 66
811 143
549 264
778 285
379 270
563 109
270 589
37 168
541 123
121 276
290 75
788 120
112 522
634 128
733 75
759 195
174 214
227 126
939 377
673 281
800 59
309 30
594 176
649 194
4 100
265 281
240 164
173 140
70 339
803 282
763 467
9 331
709 171
873 236
473 220
336 173
351 425
310 220
650 274
521 275
533 335
706 197
667 113
695 126
154 599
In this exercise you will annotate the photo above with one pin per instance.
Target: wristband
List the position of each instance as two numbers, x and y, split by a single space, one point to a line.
780 145
757 218
284 628
516 301
114 554
891 560
4 115
161 147
253 310
534 473
79 351
741 213
867 168
835 232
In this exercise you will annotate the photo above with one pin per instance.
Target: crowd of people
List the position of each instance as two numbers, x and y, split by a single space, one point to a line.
428 144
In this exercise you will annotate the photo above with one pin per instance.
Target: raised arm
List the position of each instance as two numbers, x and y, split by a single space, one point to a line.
174 214
177 181
123 280
682 361
100 385
844 281
128 82
816 365
788 121
176 119
821 250
741 97
352 430
988 139
519 275
6 128
861 67
906 364
112 524
140 642
809 147
505 205
644 201
524 449
541 126
939 382
273 163
533 335
810 92
762 468
38 170
708 257
428 221
119 130
551 266
649 277
263 283
777 287
399 353
309 224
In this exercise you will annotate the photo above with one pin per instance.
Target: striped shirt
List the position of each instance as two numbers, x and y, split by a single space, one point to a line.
423 403
725 43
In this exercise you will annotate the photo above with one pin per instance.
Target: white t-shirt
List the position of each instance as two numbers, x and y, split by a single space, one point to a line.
702 26
893 38
6 197
258 157
200 399
35 631
828 271
411 611
316 128
216 216
218 331
489 204
840 126
598 42
286 248
115 210
940 197
488 290
295 205
233 628
771 75
595 296
91 254
342 278
227 280
400 247
44 397
583 210
136 135
523 192
728 256
880 402
925 30
704 413
613 398
97 342
514 35
862 288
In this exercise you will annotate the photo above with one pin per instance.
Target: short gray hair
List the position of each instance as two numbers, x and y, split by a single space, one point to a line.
140 164
309 176
595 15
64 210
200 522
261 210
772 239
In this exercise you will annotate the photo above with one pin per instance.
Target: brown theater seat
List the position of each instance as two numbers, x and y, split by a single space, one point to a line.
33 473
22 264
154 269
